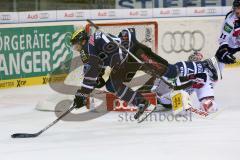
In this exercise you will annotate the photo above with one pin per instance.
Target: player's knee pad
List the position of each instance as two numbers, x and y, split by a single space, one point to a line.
181 101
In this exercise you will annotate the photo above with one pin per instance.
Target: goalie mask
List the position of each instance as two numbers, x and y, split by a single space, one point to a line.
125 36
196 56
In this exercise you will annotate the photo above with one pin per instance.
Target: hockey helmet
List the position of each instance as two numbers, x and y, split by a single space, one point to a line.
236 3
124 35
79 36
196 56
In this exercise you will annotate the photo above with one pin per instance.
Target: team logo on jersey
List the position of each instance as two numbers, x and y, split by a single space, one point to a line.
84 56
228 28
98 35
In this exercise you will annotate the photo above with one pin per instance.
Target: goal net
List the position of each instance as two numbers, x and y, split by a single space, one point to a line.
146 33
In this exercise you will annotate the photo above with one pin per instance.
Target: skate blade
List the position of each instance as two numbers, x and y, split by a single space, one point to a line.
145 116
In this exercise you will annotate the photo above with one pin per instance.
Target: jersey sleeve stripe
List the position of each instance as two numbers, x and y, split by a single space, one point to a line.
134 95
185 69
195 68
90 78
105 38
86 86
124 92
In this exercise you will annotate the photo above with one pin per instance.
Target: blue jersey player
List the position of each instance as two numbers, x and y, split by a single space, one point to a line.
98 51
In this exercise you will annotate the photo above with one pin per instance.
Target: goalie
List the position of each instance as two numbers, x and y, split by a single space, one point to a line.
229 45
202 84
100 50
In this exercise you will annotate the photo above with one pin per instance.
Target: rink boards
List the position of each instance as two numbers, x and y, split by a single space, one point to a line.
30 51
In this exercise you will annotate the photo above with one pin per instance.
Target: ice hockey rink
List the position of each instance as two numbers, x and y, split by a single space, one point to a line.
108 138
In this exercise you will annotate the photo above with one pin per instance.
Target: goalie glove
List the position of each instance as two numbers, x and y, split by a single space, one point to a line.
208 104
198 80
80 100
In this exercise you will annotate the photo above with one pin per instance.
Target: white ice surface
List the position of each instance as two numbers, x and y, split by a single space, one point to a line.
105 138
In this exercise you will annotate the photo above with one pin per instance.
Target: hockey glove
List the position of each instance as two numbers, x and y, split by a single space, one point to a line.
100 82
198 79
80 100
224 55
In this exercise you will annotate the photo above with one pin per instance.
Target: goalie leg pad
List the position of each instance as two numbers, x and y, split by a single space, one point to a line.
181 101
208 105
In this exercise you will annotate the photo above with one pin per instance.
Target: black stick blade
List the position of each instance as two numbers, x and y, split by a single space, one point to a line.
24 135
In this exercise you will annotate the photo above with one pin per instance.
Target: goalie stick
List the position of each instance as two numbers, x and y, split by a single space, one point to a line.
32 135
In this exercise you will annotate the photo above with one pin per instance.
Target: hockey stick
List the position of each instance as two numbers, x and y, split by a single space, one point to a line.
32 135
147 115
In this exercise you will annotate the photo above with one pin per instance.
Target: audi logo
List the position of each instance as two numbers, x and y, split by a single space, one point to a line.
211 10
176 12
79 14
186 41
112 13
43 15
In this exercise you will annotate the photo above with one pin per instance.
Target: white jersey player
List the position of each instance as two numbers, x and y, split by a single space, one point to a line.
202 85
229 40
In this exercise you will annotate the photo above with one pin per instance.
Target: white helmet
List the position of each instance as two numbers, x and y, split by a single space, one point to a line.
196 56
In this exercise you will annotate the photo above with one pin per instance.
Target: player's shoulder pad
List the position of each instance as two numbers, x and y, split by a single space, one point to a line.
98 35
229 14
230 18
229 22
